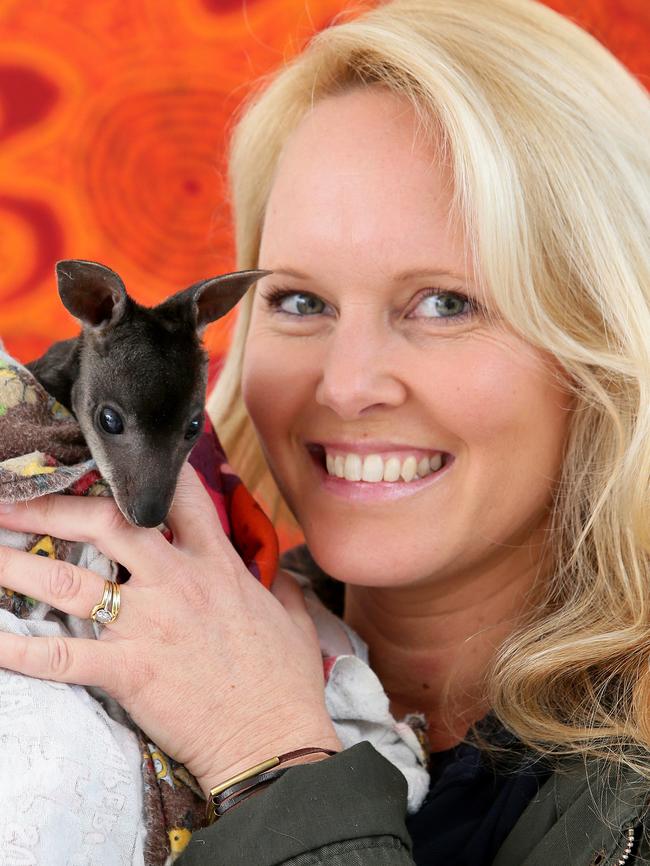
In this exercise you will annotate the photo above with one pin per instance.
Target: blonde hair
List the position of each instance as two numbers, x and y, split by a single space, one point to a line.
547 135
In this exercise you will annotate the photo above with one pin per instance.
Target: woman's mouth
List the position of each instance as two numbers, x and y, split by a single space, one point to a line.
376 476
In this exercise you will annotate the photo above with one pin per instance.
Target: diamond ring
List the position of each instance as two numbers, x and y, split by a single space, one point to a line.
108 608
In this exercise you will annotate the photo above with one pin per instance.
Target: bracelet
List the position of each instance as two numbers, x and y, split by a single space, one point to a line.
222 802
241 786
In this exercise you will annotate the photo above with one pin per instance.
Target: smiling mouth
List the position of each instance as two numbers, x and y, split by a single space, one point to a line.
397 468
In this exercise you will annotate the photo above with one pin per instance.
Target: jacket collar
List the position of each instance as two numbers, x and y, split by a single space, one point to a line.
583 816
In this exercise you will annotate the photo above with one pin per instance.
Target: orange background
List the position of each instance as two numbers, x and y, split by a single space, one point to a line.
113 120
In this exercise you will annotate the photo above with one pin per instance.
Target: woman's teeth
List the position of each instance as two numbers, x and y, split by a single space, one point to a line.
374 468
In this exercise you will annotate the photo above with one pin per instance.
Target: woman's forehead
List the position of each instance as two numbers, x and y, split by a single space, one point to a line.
355 177
360 136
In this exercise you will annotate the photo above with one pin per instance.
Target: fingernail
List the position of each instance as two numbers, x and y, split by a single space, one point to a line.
6 507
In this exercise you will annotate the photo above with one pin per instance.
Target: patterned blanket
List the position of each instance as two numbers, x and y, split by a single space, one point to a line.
42 451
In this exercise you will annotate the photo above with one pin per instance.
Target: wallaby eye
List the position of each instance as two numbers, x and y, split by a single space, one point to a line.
110 421
194 427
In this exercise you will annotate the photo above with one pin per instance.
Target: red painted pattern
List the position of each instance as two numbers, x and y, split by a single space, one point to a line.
113 127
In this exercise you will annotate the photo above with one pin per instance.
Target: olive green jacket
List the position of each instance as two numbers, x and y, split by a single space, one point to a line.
349 810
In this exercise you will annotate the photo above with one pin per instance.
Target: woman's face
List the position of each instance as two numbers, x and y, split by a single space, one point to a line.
374 356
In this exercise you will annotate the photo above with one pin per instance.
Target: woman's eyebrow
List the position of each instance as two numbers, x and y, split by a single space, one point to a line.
430 272
289 272
400 277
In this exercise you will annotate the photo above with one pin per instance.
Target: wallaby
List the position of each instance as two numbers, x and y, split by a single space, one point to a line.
135 378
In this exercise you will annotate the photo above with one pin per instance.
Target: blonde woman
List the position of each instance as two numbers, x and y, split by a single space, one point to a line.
446 381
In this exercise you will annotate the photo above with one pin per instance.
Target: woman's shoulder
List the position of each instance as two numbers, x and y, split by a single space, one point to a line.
587 814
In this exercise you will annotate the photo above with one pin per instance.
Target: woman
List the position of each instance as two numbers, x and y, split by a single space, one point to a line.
446 375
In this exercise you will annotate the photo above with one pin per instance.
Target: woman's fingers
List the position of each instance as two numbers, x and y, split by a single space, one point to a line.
98 521
63 660
58 583
289 593
95 520
192 518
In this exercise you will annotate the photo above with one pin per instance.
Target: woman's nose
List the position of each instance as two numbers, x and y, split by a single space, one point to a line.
360 370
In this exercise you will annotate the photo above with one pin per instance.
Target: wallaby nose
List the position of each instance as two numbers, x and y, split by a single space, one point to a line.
149 510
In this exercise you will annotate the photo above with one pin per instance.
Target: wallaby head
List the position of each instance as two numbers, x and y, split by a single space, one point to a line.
141 382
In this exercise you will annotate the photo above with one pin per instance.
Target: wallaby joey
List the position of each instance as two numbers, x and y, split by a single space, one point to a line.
135 378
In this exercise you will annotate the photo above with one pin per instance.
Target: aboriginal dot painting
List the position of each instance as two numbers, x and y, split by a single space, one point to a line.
113 123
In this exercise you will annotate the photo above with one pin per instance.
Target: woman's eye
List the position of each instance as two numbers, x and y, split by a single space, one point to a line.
435 304
446 305
295 303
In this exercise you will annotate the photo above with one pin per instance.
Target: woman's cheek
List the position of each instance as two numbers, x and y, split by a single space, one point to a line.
499 386
273 382
471 393
258 384
515 424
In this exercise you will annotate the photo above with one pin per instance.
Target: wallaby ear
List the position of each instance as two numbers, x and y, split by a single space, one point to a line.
211 299
93 293
216 297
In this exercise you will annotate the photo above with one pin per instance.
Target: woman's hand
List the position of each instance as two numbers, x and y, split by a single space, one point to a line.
219 672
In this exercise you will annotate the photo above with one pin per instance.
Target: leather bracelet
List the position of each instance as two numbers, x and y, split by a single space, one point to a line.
223 802
267 775
238 787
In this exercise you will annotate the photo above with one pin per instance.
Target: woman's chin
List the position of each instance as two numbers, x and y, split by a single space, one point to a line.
366 562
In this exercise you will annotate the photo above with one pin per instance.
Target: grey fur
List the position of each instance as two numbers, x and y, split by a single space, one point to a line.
146 364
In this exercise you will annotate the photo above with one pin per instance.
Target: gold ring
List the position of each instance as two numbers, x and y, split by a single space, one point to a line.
108 608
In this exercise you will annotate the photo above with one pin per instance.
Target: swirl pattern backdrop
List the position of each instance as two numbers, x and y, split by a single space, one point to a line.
114 119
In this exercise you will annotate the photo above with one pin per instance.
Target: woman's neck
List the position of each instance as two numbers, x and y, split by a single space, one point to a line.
431 644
